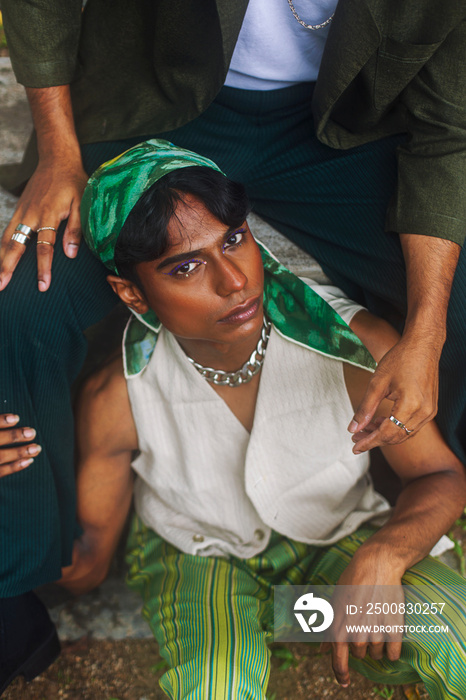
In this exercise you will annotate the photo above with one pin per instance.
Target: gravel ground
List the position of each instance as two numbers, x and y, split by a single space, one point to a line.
129 670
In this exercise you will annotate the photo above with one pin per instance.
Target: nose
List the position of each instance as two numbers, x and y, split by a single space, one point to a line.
230 277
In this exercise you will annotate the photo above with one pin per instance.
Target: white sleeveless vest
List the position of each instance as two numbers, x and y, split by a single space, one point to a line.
209 488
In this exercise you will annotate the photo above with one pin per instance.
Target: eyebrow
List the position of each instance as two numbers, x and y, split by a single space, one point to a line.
191 253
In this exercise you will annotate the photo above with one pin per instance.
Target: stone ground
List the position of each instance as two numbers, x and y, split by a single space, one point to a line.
108 650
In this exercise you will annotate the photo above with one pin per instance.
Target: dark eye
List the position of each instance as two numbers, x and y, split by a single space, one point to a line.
186 268
235 239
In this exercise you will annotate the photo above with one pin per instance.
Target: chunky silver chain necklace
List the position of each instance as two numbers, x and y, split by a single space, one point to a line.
246 372
308 26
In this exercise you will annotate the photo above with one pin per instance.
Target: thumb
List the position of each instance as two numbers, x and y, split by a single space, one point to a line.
375 393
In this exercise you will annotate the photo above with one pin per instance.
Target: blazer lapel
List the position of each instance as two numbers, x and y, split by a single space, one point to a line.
353 38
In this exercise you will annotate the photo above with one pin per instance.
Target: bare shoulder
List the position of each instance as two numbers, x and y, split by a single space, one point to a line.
107 381
104 418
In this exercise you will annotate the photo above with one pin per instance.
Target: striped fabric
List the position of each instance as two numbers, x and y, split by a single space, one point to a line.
213 617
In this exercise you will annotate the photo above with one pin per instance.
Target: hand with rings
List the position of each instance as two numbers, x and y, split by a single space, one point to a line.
23 233
52 195
407 376
41 240
401 425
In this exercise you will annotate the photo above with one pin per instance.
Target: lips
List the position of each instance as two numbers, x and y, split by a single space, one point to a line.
242 312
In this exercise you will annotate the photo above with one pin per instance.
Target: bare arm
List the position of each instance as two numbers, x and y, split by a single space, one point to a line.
106 438
433 496
54 192
434 485
408 373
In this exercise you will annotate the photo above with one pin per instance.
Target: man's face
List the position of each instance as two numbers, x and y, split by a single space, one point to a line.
208 285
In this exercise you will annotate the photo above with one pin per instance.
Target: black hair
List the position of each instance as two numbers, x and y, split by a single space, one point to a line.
144 236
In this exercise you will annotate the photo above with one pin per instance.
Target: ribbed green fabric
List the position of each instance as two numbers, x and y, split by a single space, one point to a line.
213 617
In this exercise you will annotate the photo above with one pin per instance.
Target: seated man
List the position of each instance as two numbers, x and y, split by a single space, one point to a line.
232 403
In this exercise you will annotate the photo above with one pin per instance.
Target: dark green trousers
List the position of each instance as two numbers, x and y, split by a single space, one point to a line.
332 203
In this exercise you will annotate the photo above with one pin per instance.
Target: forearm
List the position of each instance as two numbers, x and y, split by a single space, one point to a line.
430 267
52 115
104 498
425 510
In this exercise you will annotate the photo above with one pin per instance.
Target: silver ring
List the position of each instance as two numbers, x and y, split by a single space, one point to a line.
20 237
46 228
399 424
22 228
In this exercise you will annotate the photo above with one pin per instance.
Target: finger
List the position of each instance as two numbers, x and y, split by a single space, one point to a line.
413 415
375 393
384 435
340 655
370 428
7 469
13 454
358 649
13 251
7 419
393 650
12 435
44 245
72 235
376 650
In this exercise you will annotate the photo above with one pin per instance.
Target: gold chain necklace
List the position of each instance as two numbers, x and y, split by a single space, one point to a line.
308 26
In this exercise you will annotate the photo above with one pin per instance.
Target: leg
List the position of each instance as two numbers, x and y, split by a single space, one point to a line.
43 347
439 660
207 616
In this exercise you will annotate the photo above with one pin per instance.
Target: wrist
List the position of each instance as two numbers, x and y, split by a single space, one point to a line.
63 152
53 119
426 332
382 559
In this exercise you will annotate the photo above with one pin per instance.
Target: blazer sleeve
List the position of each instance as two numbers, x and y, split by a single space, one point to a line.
430 195
43 38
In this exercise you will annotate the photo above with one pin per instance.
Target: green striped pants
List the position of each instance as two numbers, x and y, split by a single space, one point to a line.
213 617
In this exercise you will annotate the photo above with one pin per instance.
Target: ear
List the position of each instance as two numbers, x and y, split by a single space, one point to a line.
129 293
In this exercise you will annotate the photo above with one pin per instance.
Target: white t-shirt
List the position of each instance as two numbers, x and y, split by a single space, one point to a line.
273 50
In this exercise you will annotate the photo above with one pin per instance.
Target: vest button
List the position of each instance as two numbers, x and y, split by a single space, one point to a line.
259 534
198 538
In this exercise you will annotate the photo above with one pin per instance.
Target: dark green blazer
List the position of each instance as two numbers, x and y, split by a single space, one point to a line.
389 66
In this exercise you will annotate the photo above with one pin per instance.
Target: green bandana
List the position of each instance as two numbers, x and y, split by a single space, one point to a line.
296 311
115 187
